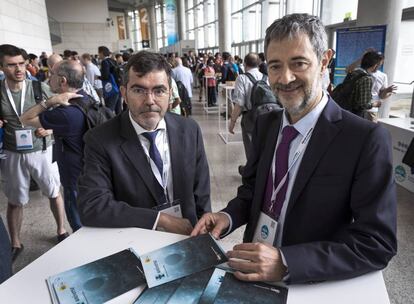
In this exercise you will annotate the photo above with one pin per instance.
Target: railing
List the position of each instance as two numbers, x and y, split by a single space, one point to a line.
55 31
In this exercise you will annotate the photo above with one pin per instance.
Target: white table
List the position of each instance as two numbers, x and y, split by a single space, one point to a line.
402 132
224 133
207 109
89 244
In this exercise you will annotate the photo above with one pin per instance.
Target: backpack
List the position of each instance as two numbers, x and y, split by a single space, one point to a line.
262 99
95 114
117 71
185 104
342 94
231 73
111 86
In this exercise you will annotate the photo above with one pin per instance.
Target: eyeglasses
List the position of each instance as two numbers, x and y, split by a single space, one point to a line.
156 93
15 65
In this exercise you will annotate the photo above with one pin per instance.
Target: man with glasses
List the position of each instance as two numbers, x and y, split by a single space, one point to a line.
318 192
28 155
145 168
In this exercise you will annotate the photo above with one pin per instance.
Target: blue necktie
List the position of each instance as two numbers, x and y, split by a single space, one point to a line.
153 151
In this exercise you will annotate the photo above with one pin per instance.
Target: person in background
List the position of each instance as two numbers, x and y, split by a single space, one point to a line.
263 64
211 83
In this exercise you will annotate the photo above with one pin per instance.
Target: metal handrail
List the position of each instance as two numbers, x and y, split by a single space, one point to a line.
409 83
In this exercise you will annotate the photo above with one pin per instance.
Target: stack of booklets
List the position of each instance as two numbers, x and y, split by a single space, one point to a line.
183 272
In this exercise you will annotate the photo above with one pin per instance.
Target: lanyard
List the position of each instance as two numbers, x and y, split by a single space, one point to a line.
22 98
299 151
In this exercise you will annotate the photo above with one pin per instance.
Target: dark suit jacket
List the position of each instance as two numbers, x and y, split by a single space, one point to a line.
341 217
117 187
5 254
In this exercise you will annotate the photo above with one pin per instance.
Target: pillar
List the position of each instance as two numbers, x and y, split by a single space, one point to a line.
181 19
153 27
224 24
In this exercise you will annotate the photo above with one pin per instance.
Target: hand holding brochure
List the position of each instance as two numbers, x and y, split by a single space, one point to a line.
98 281
181 259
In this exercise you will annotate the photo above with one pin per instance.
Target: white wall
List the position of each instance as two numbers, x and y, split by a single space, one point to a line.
334 11
24 23
404 71
84 25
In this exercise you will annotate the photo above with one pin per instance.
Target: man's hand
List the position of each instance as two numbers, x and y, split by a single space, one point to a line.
231 126
40 132
174 224
387 92
377 104
262 262
2 122
216 223
62 99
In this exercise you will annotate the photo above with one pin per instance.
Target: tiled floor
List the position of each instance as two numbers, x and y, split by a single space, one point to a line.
38 231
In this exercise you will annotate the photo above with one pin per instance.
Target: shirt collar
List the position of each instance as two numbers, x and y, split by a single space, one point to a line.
309 120
139 130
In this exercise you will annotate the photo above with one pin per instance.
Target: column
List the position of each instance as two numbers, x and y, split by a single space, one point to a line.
181 19
378 12
126 20
153 27
224 24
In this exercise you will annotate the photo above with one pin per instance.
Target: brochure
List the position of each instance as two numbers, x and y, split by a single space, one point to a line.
187 290
224 288
181 259
98 281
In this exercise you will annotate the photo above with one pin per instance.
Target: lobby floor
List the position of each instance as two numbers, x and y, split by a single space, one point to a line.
39 231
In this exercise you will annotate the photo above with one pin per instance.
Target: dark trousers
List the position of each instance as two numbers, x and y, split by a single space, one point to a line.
71 208
212 96
5 254
247 128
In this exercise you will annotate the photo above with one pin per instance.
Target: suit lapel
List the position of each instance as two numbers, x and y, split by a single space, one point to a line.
325 131
265 163
134 152
176 146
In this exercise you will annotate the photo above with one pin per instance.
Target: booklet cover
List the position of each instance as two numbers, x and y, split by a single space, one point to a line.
98 281
224 288
181 259
187 290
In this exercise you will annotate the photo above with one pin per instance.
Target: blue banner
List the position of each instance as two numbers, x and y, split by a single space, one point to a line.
171 8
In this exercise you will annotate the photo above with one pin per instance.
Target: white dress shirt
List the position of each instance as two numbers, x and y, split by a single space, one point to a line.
161 141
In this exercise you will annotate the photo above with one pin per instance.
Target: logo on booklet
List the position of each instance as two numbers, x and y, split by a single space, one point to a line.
400 174
264 232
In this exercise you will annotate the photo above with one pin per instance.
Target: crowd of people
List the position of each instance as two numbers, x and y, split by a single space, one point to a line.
317 192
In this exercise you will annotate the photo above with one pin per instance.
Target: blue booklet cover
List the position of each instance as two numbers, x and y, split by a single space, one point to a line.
98 281
224 288
181 259
187 290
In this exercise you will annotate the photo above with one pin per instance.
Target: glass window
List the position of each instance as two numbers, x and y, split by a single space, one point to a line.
236 25
190 3
211 11
252 23
236 5
191 35
273 13
200 37
190 16
211 35
159 29
200 15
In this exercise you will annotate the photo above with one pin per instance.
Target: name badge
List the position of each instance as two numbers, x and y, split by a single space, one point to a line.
171 208
24 139
265 230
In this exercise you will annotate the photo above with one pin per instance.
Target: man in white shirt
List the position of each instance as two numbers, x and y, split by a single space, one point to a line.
92 73
183 74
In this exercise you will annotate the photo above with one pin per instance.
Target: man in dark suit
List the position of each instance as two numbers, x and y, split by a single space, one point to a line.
318 194
145 158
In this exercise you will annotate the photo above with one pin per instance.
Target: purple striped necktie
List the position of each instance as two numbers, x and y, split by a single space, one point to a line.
289 133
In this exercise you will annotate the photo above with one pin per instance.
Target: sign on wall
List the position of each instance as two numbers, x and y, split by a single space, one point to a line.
351 43
143 17
121 27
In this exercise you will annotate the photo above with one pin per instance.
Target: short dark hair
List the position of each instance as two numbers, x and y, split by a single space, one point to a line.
74 76
226 56
251 60
118 55
145 62
371 59
262 56
67 53
11 51
104 50
31 57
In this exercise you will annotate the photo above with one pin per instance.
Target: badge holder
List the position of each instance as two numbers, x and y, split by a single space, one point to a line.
171 208
265 230
24 139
